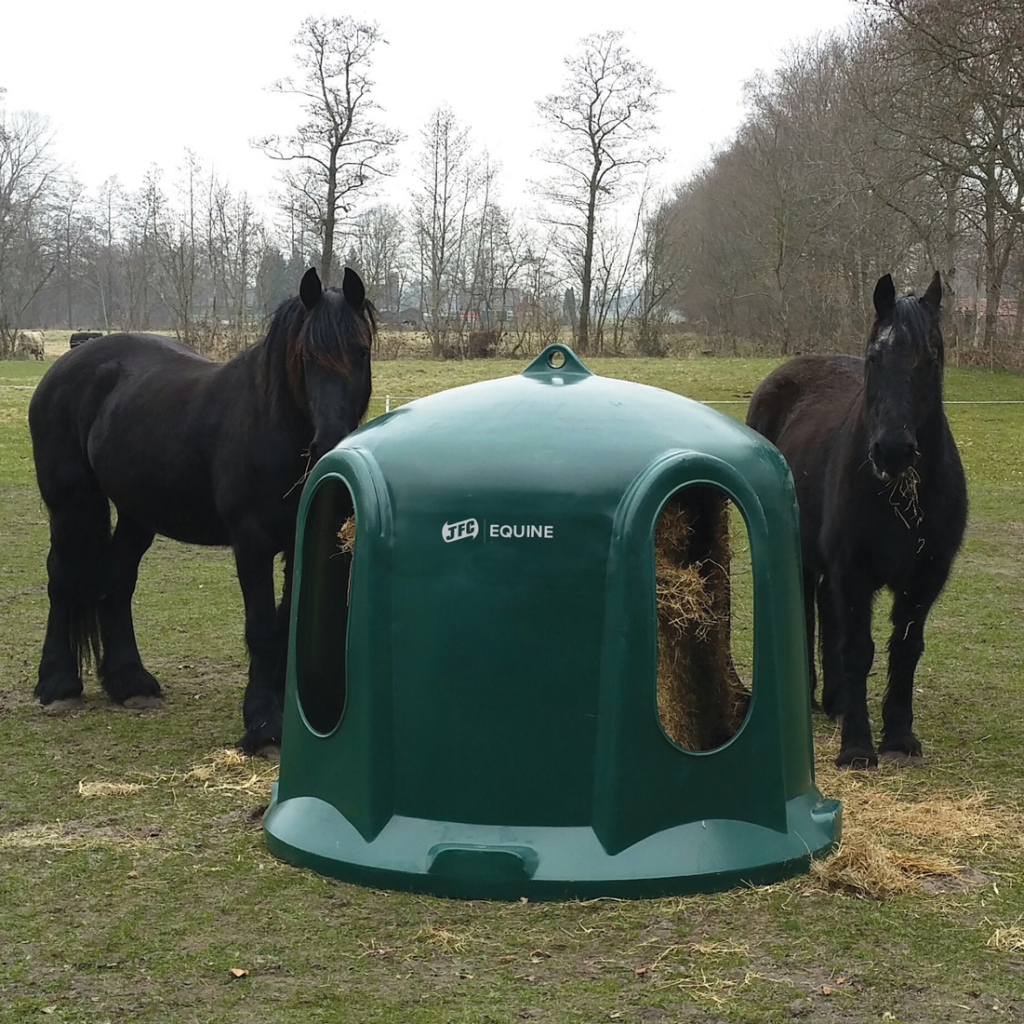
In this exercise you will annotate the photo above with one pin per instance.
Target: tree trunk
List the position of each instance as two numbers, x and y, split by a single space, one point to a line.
586 276
992 282
952 236
1018 318
327 259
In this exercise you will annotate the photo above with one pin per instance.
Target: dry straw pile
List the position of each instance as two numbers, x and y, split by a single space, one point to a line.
894 844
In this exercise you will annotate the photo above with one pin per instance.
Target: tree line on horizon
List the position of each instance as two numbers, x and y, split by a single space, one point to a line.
893 145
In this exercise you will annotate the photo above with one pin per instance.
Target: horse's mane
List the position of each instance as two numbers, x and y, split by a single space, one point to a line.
332 329
910 319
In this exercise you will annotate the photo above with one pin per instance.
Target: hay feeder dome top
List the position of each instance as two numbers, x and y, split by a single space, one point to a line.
471 703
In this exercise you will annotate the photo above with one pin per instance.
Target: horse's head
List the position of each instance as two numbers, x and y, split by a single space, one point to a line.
902 375
332 353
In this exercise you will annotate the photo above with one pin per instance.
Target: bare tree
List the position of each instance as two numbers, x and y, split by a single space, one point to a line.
447 185
781 236
961 109
379 240
601 120
28 175
70 227
273 281
500 253
655 271
179 245
340 148
142 218
102 278
234 234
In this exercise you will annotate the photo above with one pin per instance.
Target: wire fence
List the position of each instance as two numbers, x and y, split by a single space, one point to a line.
393 401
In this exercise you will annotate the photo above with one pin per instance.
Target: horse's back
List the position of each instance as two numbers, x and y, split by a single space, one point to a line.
809 393
129 350
119 412
802 408
87 374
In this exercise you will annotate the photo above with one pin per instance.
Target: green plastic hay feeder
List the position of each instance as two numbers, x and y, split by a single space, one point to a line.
470 707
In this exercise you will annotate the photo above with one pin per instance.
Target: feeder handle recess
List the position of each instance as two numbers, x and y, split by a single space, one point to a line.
557 359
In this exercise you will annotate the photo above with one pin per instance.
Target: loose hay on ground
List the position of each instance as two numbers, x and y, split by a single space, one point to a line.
442 938
90 790
891 844
1007 940
71 835
953 822
863 866
220 771
227 770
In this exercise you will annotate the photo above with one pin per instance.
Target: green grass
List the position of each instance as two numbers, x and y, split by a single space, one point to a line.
137 907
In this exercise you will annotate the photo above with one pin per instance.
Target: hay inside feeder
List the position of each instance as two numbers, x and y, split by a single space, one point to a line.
347 536
701 699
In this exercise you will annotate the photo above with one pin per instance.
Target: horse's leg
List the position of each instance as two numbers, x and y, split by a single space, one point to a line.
79 535
851 604
262 707
59 681
284 609
833 696
906 645
120 669
810 586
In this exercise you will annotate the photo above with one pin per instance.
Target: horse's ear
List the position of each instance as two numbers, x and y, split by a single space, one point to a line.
885 296
352 288
311 289
933 296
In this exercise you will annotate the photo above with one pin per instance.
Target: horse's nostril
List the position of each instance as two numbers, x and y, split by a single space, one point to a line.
907 450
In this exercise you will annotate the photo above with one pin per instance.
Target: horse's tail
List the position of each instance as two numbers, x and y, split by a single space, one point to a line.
80 530
94 538
79 543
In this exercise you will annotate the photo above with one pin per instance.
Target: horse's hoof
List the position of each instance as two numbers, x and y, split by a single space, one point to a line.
144 702
269 749
857 759
901 758
63 705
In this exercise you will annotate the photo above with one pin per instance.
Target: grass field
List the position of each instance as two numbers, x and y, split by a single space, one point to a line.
135 885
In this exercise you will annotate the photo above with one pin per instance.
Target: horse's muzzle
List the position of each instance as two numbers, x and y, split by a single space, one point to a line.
321 445
892 455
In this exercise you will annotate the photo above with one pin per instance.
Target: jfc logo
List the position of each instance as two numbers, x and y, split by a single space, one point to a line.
464 530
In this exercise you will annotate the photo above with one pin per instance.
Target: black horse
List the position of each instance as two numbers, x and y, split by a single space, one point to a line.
883 502
202 452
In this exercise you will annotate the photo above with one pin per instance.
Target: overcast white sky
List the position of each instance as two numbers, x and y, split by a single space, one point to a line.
127 85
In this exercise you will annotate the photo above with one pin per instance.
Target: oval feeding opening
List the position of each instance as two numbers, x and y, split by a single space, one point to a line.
705 608
321 628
